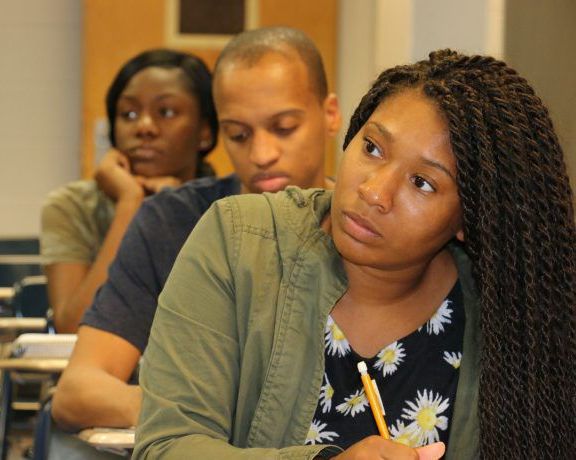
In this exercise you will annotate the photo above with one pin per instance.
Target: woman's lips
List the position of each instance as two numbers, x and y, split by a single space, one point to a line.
143 154
359 228
270 182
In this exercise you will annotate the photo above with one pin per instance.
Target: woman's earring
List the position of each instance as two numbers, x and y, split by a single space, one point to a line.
204 144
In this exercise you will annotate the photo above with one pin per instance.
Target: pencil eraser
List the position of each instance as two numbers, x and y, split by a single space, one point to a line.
362 368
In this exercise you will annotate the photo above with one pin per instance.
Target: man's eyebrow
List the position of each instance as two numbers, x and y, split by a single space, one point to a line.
275 116
288 112
230 121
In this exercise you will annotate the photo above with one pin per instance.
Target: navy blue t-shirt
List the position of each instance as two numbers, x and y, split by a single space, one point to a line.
125 305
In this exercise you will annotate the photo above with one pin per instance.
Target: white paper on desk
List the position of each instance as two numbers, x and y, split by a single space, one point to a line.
43 346
115 438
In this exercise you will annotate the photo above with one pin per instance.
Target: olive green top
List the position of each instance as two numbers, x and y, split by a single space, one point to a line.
75 221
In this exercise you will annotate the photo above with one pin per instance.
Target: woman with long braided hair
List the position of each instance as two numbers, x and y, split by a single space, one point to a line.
445 260
519 232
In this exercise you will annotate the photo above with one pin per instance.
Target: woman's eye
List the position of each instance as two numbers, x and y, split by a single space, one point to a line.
167 112
371 149
423 184
129 115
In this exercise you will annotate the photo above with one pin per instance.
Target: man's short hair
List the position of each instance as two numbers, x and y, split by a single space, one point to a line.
250 46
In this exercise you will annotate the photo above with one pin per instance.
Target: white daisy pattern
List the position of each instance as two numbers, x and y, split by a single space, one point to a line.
390 358
416 375
353 404
401 434
317 435
336 342
326 394
425 416
442 316
453 358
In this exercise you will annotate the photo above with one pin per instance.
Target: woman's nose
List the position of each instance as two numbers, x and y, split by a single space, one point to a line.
379 189
146 126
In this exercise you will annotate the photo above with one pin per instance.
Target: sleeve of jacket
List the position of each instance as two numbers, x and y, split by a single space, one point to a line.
191 366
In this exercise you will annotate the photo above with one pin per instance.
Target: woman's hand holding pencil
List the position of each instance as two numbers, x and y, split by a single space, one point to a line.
376 447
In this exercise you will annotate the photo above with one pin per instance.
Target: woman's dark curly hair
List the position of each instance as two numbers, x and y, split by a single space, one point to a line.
197 78
519 229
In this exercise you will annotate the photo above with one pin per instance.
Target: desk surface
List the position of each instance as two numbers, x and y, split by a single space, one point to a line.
33 364
6 293
29 324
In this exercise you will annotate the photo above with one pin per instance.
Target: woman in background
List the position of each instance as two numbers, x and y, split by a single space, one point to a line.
445 259
162 124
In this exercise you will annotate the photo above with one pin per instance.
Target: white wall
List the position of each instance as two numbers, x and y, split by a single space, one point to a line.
356 66
540 43
456 24
377 34
40 78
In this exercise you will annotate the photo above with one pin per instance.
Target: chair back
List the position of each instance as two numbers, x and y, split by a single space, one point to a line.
19 245
15 267
30 297
42 432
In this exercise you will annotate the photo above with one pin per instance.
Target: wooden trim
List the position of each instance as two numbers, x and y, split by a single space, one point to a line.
175 39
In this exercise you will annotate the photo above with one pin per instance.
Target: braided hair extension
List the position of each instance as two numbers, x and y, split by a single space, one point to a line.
520 234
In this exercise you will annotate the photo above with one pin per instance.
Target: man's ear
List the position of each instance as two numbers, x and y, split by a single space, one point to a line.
332 114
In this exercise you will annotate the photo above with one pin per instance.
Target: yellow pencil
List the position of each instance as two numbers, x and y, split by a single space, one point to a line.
373 400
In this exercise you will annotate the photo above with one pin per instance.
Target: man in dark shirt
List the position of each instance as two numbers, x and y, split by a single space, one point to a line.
275 114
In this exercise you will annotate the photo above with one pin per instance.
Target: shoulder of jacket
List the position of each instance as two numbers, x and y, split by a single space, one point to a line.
289 210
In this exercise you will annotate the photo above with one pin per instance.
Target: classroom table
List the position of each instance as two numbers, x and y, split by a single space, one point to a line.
6 293
36 365
30 358
12 323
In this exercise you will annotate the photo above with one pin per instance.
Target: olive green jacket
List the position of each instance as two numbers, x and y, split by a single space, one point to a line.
235 361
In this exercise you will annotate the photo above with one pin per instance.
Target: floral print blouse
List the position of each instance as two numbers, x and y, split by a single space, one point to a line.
417 377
